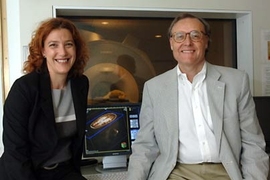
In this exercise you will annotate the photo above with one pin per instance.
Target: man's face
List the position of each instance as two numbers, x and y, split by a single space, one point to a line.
189 53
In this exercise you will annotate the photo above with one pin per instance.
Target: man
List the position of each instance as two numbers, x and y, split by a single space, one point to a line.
198 120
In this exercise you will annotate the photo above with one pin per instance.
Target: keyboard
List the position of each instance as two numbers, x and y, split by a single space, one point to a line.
122 175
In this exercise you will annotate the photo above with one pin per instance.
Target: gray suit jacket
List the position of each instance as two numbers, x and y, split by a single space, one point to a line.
238 134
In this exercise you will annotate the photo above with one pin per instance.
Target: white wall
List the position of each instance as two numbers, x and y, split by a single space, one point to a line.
13 36
24 15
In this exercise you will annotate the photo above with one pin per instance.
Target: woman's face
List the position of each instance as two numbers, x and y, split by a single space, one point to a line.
60 52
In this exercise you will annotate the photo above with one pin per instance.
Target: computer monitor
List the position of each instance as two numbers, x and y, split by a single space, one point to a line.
262 104
110 130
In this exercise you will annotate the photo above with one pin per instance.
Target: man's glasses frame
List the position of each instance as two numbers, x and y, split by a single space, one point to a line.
194 35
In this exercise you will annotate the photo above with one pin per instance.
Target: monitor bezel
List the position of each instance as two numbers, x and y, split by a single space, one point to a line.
128 151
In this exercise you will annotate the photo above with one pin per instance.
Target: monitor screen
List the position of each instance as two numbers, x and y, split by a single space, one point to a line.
110 129
262 104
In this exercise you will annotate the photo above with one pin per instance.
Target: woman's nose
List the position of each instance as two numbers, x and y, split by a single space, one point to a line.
62 50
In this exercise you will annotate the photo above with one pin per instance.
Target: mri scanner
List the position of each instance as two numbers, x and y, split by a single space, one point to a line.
105 75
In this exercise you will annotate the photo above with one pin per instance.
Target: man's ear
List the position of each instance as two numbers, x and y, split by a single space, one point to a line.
171 44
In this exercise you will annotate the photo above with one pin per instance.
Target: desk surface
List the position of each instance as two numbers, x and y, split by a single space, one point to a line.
95 172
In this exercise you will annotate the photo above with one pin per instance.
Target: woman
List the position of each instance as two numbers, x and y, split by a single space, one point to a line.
45 111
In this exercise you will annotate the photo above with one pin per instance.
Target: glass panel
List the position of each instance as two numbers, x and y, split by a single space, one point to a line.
126 52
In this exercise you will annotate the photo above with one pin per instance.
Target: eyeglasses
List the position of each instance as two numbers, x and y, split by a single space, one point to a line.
194 35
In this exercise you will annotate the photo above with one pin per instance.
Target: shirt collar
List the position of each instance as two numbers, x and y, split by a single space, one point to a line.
201 75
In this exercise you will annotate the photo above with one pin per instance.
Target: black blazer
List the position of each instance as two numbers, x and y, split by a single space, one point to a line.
29 131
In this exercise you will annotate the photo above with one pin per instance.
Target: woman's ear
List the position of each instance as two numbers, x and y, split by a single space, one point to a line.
43 54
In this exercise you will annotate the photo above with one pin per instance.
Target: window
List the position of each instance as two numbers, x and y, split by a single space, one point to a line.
127 51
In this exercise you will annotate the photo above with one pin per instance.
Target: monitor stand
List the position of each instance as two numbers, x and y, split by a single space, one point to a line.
113 163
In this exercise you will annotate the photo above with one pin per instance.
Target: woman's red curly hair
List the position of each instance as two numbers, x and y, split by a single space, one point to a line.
37 62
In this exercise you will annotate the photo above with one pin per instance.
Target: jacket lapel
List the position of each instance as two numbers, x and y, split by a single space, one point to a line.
170 100
216 89
46 97
77 95
46 103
